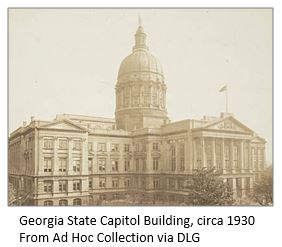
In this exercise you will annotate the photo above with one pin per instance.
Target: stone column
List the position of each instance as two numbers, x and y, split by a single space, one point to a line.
69 165
223 156
231 155
194 154
55 163
204 164
213 153
243 187
84 158
242 166
40 155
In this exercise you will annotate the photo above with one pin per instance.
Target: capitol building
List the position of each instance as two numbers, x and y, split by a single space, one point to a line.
139 155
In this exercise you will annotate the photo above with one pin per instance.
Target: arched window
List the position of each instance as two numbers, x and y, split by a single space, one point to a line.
77 202
48 203
63 202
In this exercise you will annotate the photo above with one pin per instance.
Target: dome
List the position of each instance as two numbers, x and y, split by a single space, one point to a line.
140 64
140 61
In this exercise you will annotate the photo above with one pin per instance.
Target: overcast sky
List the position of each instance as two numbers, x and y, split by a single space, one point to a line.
67 60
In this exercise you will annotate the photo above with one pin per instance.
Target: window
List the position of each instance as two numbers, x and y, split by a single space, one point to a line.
102 183
137 164
156 146
127 183
155 164
102 147
90 184
182 164
62 164
48 143
260 159
102 165
156 183
115 183
199 154
126 165
48 203
90 162
254 159
114 165
180 184
143 168
172 157
63 186
48 186
47 164
102 197
63 144
137 147
90 146
76 166
63 202
218 155
76 144
76 185
114 147
171 183
126 148
77 202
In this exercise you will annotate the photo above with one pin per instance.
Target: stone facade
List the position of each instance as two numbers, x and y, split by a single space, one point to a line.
138 156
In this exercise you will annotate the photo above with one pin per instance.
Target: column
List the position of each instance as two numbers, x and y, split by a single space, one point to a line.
223 156
250 157
242 166
40 156
243 187
84 158
203 152
194 154
231 156
213 153
55 157
70 146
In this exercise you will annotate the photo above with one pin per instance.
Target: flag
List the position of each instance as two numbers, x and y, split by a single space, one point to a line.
224 88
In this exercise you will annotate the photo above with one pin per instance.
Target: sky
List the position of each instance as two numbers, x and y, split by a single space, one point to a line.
67 60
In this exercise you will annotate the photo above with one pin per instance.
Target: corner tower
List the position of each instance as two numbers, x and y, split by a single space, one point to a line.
140 89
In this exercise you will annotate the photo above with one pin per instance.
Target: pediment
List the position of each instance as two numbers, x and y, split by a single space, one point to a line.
63 125
228 124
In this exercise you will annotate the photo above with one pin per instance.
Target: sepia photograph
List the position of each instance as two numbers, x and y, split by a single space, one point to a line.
140 107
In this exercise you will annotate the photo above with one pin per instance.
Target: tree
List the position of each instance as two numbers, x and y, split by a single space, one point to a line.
263 188
12 194
206 187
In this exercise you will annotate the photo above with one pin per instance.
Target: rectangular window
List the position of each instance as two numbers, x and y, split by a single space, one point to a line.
76 186
90 162
48 186
127 183
227 156
155 164
182 164
114 147
114 165
171 183
218 155
209 154
76 166
126 165
62 164
156 183
48 143
126 148
63 186
137 164
63 144
182 156
156 146
77 144
102 165
102 183
90 184
137 147
102 147
115 183
47 164
172 157
235 156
